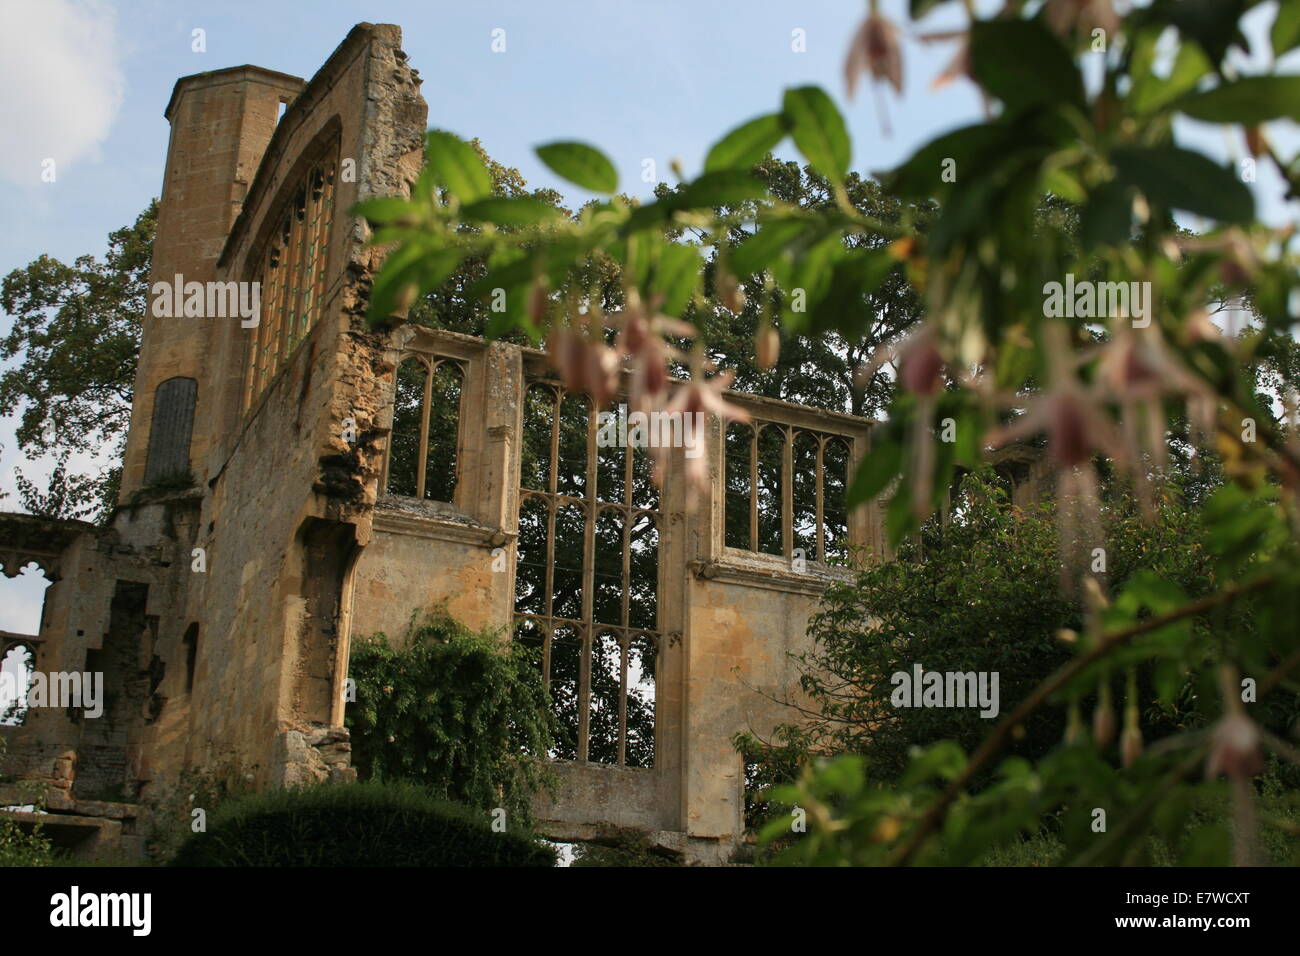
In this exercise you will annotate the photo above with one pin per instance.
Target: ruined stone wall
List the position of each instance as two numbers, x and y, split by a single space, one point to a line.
426 553
290 496
730 619
87 626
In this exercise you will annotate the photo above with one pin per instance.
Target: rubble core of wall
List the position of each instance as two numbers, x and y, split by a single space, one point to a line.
141 550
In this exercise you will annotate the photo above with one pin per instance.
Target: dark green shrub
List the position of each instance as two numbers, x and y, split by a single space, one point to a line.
362 824
458 712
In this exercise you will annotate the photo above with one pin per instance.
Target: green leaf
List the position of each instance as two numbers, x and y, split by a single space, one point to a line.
1211 23
724 188
385 210
676 276
818 130
411 270
811 277
1181 179
843 307
879 467
1249 101
944 760
1150 92
1023 64
1285 34
1107 219
515 211
900 518
456 167
581 165
727 187
918 8
753 255
747 144
922 174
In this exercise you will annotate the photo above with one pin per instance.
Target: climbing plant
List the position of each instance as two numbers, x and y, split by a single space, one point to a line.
459 712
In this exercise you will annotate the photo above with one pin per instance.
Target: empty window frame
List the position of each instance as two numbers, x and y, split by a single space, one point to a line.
17 664
424 445
785 491
587 580
292 277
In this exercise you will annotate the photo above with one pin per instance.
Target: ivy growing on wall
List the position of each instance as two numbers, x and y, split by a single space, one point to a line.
463 713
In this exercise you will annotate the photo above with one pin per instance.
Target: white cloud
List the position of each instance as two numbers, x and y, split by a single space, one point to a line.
62 87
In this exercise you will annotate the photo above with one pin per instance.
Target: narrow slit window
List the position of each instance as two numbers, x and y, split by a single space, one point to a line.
170 430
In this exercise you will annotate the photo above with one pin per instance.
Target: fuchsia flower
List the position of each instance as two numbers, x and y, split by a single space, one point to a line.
874 49
1234 748
1083 16
585 363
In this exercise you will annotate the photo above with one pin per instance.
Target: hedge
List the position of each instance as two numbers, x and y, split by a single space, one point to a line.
361 824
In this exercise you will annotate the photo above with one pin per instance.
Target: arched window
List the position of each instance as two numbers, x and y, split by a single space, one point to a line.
423 446
170 429
17 664
292 277
786 491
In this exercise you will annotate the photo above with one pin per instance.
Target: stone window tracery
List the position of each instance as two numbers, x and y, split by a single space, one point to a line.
17 664
786 491
423 450
587 580
292 277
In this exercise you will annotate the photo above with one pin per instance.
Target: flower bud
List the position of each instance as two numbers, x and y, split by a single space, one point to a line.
1255 141
921 367
1073 725
1103 717
1068 431
767 346
1234 748
1130 745
537 301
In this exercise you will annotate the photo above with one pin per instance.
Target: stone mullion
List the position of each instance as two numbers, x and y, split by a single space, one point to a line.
787 492
422 444
587 630
628 520
320 236
753 487
291 286
552 504
252 385
302 277
624 644
277 317
311 270
820 539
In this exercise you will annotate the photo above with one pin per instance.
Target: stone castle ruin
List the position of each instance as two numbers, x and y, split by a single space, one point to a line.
295 483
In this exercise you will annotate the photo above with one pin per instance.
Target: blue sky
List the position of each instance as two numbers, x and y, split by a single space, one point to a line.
642 79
